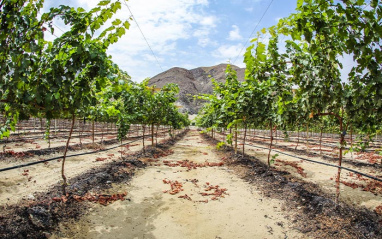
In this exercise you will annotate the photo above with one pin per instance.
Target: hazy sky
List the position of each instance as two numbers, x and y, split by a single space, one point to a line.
185 33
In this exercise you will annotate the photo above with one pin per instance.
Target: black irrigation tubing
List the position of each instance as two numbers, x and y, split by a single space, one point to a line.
323 137
302 141
68 156
42 137
318 162
56 137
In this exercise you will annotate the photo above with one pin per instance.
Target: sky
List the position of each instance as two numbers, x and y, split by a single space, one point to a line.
184 33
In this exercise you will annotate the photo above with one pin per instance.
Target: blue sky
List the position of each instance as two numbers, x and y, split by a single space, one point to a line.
185 33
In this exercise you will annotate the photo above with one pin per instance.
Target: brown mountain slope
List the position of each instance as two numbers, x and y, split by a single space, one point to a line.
193 82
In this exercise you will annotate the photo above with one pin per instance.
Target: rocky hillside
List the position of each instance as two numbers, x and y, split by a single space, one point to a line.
193 82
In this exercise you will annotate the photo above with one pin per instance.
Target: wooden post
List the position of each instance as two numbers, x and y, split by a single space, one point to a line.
64 157
270 145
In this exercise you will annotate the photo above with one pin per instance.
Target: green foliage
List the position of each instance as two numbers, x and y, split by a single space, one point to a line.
229 138
60 76
72 75
272 161
219 145
303 86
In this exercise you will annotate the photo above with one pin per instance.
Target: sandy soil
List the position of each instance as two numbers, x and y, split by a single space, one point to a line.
21 184
324 176
239 211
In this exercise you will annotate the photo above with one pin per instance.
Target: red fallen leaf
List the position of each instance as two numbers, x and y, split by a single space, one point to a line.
294 165
110 155
56 199
176 186
204 201
205 153
100 159
349 184
373 187
25 174
185 196
378 210
38 146
64 199
360 177
102 201
78 198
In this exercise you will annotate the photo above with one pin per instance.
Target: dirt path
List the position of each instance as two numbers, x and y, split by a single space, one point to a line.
155 210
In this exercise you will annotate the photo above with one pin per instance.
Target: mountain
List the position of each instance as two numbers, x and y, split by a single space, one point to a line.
193 82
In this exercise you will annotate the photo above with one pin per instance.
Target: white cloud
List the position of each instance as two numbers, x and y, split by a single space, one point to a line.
234 34
203 42
87 4
202 2
227 52
202 35
164 23
208 21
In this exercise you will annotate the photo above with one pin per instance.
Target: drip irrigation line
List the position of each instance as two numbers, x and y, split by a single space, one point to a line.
302 141
345 160
72 155
318 162
68 156
100 141
63 136
51 137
